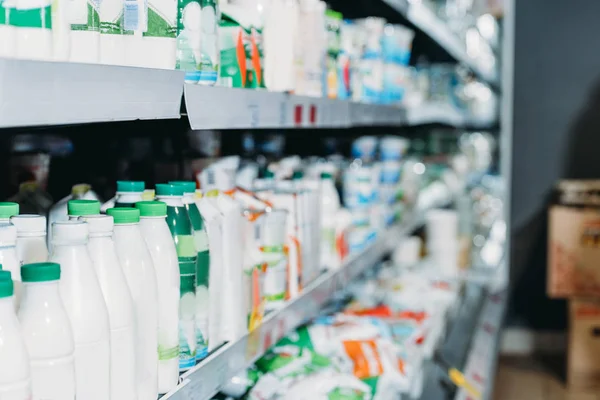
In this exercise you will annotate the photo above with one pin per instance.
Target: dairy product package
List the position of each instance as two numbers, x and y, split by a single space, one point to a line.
84 16
189 33
32 21
331 85
371 63
31 238
8 46
311 48
255 268
10 261
347 60
235 46
113 43
209 47
280 37
58 212
396 43
312 216
395 81
158 28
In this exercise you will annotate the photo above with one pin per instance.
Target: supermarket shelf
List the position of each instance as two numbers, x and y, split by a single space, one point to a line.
203 381
211 108
34 93
434 27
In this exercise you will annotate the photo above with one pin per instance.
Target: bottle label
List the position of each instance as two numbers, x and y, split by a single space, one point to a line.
209 62
188 39
131 23
31 17
111 23
187 323
162 19
202 303
85 15
275 277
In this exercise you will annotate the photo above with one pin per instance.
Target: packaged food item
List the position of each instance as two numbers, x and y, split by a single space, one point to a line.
371 63
281 38
82 296
209 47
234 44
48 335
15 376
85 31
119 304
396 44
31 238
330 205
140 274
333 21
159 241
158 25
189 39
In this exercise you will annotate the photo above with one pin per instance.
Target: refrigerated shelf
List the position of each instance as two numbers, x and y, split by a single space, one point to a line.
204 381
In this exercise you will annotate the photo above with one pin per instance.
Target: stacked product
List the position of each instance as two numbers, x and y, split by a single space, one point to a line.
396 47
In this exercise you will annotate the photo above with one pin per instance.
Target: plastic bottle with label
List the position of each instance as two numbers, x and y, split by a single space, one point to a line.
164 256
85 31
330 205
189 39
118 303
86 308
140 274
32 20
15 380
129 193
113 45
202 264
47 333
31 238
9 259
181 230
210 55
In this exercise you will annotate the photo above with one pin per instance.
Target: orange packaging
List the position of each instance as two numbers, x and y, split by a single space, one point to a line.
583 369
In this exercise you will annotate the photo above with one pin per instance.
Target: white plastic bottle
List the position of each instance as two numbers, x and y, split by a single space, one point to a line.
9 260
15 381
112 39
33 23
330 205
83 300
164 256
47 333
118 303
85 31
141 279
129 193
31 238
8 44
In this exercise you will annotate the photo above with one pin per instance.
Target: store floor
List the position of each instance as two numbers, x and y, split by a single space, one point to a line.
535 378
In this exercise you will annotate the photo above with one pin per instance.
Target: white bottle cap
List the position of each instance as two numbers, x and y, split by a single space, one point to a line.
8 235
29 225
70 232
99 225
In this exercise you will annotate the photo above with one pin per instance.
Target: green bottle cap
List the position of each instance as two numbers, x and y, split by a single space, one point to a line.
188 186
6 287
165 189
83 207
8 209
5 275
124 215
269 174
298 175
130 186
151 208
40 272
326 175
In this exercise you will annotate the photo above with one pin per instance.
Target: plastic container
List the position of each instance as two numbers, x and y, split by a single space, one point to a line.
9 259
84 302
15 381
31 238
33 23
47 333
158 45
189 22
202 265
140 274
396 44
164 256
85 31
129 193
274 235
118 303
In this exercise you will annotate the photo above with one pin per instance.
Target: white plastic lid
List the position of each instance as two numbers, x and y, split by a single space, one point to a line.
8 235
29 224
69 232
99 224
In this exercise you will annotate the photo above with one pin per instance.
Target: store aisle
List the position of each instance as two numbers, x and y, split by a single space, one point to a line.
535 378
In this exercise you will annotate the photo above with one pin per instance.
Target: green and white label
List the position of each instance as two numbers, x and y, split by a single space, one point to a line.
187 310
188 38
275 280
111 23
85 15
31 17
162 19
209 61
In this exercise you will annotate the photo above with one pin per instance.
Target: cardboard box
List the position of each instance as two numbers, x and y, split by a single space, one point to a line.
583 364
573 252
